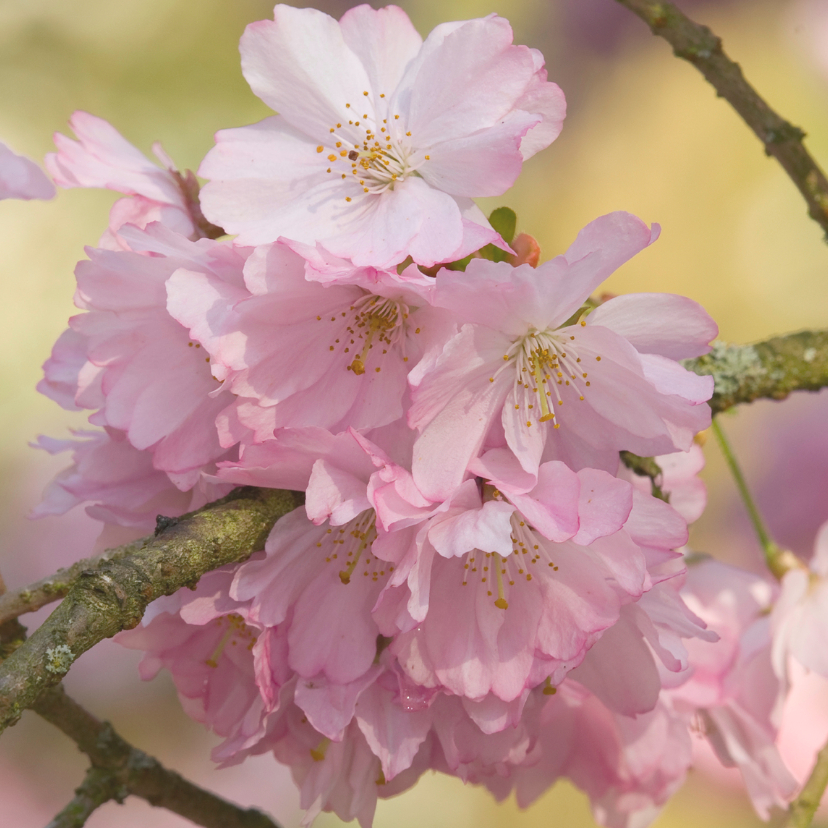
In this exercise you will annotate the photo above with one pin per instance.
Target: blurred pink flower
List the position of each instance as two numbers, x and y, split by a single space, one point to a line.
128 358
21 178
119 481
800 616
733 693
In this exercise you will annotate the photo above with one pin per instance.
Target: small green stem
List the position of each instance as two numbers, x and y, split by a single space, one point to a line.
774 556
804 807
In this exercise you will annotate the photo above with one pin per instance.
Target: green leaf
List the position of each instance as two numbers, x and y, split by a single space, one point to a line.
504 220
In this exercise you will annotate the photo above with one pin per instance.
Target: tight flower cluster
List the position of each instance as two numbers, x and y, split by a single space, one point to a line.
474 584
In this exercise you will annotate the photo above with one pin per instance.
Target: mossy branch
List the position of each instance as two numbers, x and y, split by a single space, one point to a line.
771 369
113 596
699 46
119 769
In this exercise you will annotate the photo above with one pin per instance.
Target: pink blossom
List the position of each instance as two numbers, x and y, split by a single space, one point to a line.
573 392
733 693
497 606
202 638
800 616
102 157
299 352
142 370
20 177
382 139
119 481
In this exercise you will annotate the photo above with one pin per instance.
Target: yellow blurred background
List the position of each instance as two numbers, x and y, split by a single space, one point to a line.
644 133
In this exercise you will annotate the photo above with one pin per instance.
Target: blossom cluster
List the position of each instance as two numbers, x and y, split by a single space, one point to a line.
474 584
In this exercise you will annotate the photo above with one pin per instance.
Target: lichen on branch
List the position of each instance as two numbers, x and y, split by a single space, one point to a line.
701 47
771 369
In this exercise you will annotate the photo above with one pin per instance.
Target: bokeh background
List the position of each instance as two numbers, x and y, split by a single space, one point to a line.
644 133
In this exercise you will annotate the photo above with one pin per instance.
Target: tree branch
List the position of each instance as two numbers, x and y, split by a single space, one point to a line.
98 787
802 810
118 769
699 46
771 369
54 587
114 596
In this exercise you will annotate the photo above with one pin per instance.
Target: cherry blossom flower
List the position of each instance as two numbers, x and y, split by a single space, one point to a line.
21 178
102 157
498 607
577 390
382 139
133 362
296 340
628 766
203 639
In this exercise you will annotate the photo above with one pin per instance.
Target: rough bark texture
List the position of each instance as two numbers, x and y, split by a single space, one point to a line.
699 46
113 597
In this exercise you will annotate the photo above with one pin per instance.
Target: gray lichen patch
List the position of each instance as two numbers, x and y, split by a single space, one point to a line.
59 659
731 366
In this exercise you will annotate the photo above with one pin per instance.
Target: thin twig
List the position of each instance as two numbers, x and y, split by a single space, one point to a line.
123 769
699 46
113 597
804 807
774 556
98 787
646 467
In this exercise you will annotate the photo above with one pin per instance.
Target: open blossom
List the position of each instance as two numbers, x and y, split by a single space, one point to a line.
102 157
306 349
382 140
576 392
20 177
497 606
203 639
628 766
128 358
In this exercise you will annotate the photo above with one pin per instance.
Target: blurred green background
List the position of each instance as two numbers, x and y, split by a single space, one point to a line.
644 133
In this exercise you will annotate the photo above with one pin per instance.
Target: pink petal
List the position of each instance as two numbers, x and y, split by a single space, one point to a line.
385 42
20 177
301 67
658 323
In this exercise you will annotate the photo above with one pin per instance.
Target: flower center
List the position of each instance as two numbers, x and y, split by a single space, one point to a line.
498 573
370 322
350 546
374 155
236 630
547 363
